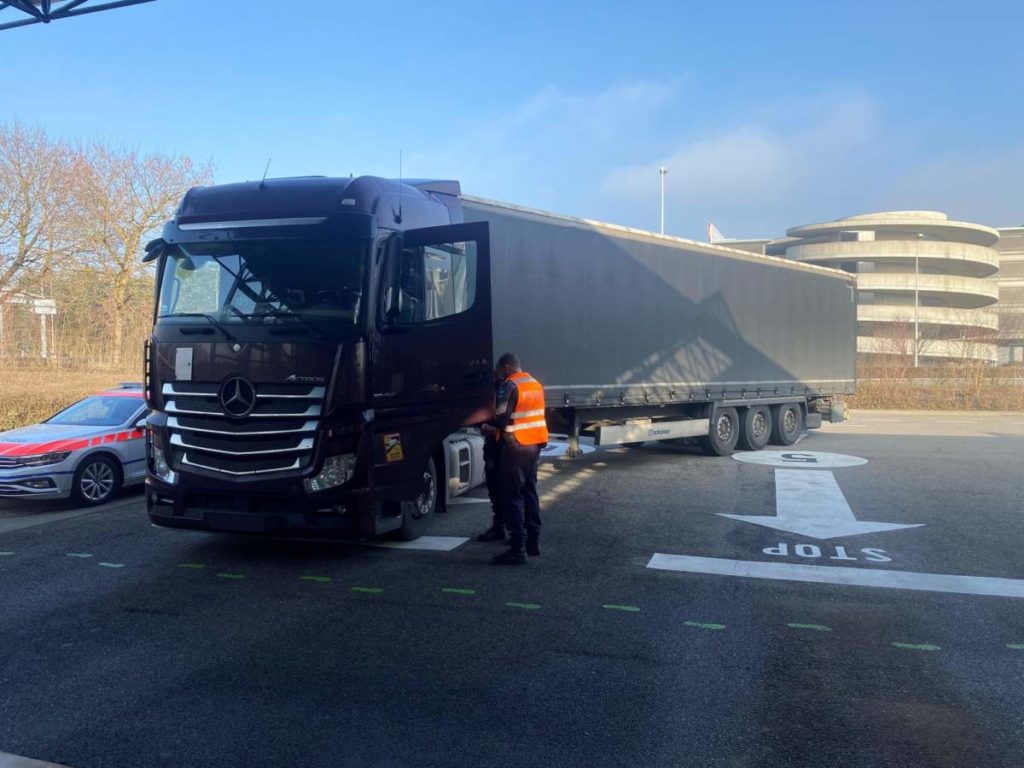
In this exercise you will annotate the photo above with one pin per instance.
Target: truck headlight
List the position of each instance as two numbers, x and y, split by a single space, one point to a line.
159 467
337 470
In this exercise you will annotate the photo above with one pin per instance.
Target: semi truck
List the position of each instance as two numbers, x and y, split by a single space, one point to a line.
322 349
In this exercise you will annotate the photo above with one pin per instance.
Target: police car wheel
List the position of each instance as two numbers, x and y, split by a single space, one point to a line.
97 480
418 513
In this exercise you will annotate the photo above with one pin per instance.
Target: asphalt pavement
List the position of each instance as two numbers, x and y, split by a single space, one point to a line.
801 638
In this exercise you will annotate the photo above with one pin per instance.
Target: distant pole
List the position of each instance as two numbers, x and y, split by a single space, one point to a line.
662 170
917 305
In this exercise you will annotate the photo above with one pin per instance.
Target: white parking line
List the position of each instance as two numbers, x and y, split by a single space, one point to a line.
467 500
425 543
14 761
827 574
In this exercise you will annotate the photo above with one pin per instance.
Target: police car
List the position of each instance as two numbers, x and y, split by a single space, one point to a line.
87 452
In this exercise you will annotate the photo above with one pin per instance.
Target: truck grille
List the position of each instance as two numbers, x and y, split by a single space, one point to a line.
277 436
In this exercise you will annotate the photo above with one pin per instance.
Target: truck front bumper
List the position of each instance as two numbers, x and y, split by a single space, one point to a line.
329 514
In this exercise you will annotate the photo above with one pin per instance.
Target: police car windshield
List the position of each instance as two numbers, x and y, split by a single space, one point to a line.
98 411
302 283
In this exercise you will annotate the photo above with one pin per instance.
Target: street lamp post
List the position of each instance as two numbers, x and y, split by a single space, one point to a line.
662 170
917 305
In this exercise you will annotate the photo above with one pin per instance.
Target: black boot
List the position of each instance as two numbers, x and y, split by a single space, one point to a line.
494 533
533 547
514 556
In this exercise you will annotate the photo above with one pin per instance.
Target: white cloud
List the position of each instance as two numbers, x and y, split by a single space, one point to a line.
986 187
745 176
547 149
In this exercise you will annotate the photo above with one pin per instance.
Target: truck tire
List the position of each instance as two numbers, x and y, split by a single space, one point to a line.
419 513
756 428
97 480
723 433
638 444
787 423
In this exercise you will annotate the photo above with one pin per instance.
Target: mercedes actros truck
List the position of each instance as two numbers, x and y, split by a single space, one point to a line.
322 348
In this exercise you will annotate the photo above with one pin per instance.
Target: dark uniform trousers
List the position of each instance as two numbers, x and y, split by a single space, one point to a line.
492 459
517 472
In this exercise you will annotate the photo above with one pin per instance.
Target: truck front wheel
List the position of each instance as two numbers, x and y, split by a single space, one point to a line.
418 513
787 423
723 433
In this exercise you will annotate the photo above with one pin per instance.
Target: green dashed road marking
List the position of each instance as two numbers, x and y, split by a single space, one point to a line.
1015 646
111 565
814 627
368 590
79 554
627 608
318 579
6 554
458 591
704 625
231 575
193 566
524 606
918 646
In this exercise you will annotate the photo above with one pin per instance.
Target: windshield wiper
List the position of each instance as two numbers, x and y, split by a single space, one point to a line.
205 315
280 313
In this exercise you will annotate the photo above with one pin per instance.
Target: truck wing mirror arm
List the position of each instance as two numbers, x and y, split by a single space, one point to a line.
392 282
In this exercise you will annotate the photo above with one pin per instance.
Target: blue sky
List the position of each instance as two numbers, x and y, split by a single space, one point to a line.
767 115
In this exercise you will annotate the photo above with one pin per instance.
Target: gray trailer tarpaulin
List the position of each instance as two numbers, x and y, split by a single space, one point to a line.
608 315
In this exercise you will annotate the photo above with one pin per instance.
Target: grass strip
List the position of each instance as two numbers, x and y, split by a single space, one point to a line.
918 646
704 625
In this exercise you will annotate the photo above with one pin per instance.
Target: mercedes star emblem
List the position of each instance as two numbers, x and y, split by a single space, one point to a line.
237 397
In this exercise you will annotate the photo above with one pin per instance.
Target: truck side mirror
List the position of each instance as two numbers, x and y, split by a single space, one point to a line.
154 249
393 279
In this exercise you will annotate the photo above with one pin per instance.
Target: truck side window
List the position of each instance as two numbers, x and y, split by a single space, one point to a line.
437 281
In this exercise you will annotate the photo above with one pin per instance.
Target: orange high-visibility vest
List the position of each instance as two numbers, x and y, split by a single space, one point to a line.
528 424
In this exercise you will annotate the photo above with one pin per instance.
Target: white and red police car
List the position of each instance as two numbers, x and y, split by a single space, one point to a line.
87 452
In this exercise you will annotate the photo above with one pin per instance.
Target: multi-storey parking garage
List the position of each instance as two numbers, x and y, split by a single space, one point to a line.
1010 280
919 276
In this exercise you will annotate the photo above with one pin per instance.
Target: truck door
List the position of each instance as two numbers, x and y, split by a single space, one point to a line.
431 355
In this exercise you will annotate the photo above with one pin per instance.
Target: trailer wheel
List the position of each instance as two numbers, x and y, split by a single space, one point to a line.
756 429
724 431
787 423
418 513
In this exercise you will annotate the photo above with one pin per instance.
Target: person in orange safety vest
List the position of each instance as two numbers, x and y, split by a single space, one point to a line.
520 425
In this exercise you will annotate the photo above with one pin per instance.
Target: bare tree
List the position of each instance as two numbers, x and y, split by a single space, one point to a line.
122 197
34 204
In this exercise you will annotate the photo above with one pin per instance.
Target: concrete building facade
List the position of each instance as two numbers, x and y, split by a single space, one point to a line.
922 279
1010 280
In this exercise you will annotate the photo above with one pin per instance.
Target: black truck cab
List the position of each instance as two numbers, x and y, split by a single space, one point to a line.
316 344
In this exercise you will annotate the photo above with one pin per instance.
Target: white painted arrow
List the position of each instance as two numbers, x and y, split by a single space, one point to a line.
810 503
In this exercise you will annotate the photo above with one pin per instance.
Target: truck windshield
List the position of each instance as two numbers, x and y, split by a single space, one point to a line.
304 283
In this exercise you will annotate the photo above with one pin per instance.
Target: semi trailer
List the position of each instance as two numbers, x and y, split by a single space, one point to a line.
322 349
